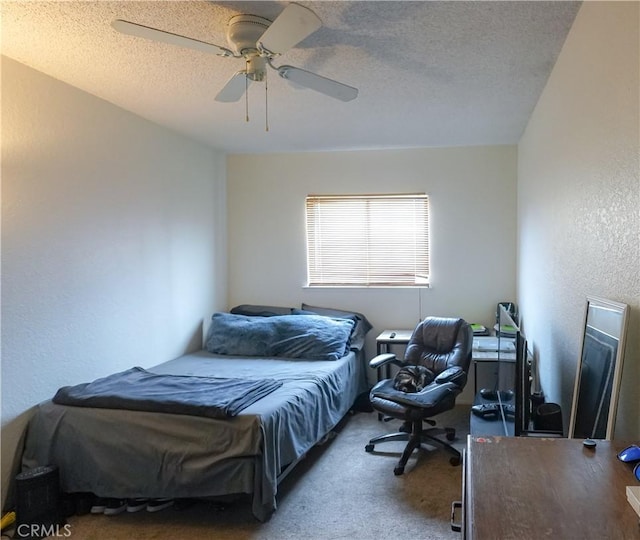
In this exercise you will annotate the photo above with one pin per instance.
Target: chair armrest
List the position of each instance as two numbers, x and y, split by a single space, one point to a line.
384 359
453 374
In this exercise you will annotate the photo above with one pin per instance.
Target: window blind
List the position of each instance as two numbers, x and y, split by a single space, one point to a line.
368 240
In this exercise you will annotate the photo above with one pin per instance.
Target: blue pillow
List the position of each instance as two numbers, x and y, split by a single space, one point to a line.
313 337
359 332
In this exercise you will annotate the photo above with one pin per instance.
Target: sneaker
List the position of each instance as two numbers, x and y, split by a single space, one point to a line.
115 506
135 505
99 505
155 505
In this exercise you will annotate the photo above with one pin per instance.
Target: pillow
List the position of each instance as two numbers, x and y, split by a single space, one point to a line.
260 311
360 330
357 346
313 337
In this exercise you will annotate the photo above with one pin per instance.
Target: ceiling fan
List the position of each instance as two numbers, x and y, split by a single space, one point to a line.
258 41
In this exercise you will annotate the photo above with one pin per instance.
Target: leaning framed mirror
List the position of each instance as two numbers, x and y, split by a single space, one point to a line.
599 370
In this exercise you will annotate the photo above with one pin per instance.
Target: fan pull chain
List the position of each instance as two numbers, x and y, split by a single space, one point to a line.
246 96
266 103
246 90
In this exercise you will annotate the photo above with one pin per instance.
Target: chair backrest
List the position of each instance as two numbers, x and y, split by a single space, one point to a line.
439 343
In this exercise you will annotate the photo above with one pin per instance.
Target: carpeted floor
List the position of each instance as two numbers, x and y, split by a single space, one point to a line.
337 492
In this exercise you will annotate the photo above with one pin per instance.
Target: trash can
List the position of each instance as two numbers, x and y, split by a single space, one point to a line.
38 511
548 417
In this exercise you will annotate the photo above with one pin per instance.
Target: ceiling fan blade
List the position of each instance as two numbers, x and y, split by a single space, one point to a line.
138 30
318 83
234 89
295 23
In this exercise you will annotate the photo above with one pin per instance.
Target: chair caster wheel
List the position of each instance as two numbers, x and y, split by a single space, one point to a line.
398 471
455 461
369 448
451 436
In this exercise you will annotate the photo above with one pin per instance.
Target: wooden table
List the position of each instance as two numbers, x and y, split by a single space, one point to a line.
527 487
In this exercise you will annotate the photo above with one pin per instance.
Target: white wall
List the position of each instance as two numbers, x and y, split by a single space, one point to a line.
473 229
579 201
113 242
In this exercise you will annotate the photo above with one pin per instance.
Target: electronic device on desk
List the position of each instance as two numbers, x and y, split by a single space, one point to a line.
493 411
505 409
487 411
514 381
493 344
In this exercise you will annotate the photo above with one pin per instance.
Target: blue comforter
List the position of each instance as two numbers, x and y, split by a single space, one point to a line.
141 390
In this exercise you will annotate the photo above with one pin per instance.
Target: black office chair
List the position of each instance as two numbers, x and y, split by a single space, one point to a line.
443 345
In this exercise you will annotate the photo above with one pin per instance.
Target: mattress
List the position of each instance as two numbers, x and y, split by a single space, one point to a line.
126 454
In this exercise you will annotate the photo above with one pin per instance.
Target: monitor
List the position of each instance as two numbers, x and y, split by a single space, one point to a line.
510 347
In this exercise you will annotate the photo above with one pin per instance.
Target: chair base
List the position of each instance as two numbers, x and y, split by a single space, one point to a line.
416 438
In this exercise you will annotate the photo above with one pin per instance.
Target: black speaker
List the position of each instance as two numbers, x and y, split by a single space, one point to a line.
38 508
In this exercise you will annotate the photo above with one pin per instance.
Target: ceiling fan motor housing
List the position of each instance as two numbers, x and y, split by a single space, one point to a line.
243 33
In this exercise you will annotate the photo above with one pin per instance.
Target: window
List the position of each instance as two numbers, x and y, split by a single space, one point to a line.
366 240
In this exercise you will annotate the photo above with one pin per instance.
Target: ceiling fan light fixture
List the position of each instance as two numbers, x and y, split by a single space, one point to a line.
256 68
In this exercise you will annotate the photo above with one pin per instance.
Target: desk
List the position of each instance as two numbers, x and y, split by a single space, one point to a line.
527 487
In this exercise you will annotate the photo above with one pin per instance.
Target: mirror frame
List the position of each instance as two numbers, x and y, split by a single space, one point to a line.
623 310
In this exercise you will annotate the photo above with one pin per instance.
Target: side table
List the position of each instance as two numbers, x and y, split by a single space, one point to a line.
384 343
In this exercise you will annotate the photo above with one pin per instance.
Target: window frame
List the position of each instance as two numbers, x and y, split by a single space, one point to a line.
375 226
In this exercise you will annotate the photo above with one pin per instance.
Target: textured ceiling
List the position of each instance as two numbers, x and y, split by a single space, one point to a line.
428 73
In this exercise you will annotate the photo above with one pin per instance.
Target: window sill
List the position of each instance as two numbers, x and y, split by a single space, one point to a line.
366 286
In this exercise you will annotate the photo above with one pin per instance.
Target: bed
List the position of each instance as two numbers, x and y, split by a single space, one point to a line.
125 452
